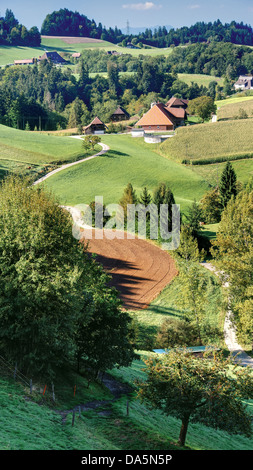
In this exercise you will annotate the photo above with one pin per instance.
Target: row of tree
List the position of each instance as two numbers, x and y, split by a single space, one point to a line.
234 32
66 22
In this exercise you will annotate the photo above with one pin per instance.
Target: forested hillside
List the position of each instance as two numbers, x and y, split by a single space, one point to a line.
12 32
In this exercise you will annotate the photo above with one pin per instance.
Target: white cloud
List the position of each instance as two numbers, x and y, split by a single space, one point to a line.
142 6
193 7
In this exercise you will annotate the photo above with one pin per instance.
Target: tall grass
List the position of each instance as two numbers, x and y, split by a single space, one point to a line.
212 142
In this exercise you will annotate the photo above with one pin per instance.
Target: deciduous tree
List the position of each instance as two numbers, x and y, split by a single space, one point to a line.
201 390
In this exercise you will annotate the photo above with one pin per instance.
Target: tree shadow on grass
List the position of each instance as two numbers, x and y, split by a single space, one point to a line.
114 154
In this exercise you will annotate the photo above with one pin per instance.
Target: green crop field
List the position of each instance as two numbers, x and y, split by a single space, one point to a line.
211 142
238 98
232 110
129 160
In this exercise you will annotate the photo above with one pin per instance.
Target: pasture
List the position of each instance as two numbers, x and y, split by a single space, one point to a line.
129 160
10 53
37 148
200 79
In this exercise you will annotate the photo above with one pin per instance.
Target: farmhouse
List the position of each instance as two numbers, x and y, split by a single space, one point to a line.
164 117
178 103
53 57
119 114
76 55
95 127
244 82
25 62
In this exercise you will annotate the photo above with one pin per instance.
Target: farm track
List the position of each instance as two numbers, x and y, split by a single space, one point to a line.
105 149
116 388
240 356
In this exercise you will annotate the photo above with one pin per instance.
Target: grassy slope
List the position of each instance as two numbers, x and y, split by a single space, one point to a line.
31 423
129 160
232 109
216 140
166 306
37 148
10 53
200 79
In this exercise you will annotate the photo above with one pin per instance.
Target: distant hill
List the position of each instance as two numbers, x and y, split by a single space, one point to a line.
137 30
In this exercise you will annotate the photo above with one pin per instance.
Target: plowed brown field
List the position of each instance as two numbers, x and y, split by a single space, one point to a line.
139 269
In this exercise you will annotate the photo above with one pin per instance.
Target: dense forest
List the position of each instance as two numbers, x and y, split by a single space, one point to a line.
47 97
216 58
69 23
11 32
236 33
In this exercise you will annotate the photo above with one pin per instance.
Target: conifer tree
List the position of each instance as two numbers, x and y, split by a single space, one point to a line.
145 197
227 185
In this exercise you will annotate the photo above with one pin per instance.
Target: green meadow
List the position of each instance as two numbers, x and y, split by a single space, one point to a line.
200 79
129 160
37 148
10 53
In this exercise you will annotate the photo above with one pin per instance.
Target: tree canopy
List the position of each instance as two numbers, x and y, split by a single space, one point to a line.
201 390
51 289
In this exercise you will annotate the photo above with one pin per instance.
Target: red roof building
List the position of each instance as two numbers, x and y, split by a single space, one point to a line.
166 117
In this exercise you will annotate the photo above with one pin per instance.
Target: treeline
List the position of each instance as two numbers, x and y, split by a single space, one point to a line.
236 33
68 23
217 59
47 97
16 34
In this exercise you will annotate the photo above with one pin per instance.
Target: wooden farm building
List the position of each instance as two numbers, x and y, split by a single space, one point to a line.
25 62
244 82
177 103
164 117
53 57
95 127
119 115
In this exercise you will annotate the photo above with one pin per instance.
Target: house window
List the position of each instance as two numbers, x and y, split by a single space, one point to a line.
158 127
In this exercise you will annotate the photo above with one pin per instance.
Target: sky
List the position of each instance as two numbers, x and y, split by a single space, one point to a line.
139 13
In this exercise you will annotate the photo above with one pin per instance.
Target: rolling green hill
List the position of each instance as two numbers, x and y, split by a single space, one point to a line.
29 152
129 160
10 53
35 422
35 147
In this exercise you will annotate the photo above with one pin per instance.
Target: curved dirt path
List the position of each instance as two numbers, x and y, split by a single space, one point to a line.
240 356
105 149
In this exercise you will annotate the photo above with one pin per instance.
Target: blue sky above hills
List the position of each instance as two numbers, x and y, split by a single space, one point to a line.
139 13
